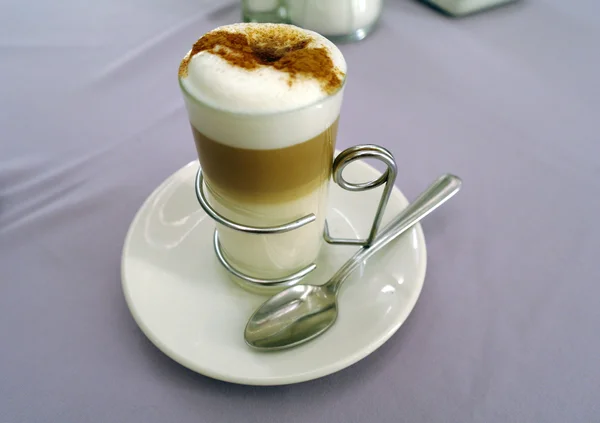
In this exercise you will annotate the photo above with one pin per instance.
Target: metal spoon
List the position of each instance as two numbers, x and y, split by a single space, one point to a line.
303 312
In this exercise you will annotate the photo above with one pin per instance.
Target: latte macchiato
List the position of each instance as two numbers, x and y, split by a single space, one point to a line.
264 103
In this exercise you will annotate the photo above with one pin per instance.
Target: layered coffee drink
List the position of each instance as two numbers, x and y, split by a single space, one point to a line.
264 101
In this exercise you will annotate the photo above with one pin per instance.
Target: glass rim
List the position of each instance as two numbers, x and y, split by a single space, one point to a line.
277 113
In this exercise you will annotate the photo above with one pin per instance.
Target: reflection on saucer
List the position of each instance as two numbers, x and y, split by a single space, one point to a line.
174 214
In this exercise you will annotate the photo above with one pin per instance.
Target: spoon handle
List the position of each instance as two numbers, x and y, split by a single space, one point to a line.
433 197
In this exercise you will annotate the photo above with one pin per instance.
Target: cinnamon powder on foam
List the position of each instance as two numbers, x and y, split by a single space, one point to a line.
286 50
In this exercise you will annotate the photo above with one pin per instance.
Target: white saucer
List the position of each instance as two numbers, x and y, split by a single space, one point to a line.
185 303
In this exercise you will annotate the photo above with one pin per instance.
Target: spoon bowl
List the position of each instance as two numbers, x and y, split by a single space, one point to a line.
299 313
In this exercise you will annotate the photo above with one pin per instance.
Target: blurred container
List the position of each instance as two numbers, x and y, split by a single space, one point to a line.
465 7
273 11
338 20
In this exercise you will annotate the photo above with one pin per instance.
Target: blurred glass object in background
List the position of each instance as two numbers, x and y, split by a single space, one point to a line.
273 11
465 7
338 20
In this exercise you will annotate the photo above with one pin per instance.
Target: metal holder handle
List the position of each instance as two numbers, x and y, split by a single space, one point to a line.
366 151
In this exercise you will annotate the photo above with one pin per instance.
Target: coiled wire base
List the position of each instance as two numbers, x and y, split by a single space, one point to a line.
358 152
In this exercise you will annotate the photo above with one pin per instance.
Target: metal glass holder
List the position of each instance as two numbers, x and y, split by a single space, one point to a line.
358 152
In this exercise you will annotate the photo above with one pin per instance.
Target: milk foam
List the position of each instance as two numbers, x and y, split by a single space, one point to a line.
258 108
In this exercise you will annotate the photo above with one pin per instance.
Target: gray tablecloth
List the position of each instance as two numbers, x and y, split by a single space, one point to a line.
507 328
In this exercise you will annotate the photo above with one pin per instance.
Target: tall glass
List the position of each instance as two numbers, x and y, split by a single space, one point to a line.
267 169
